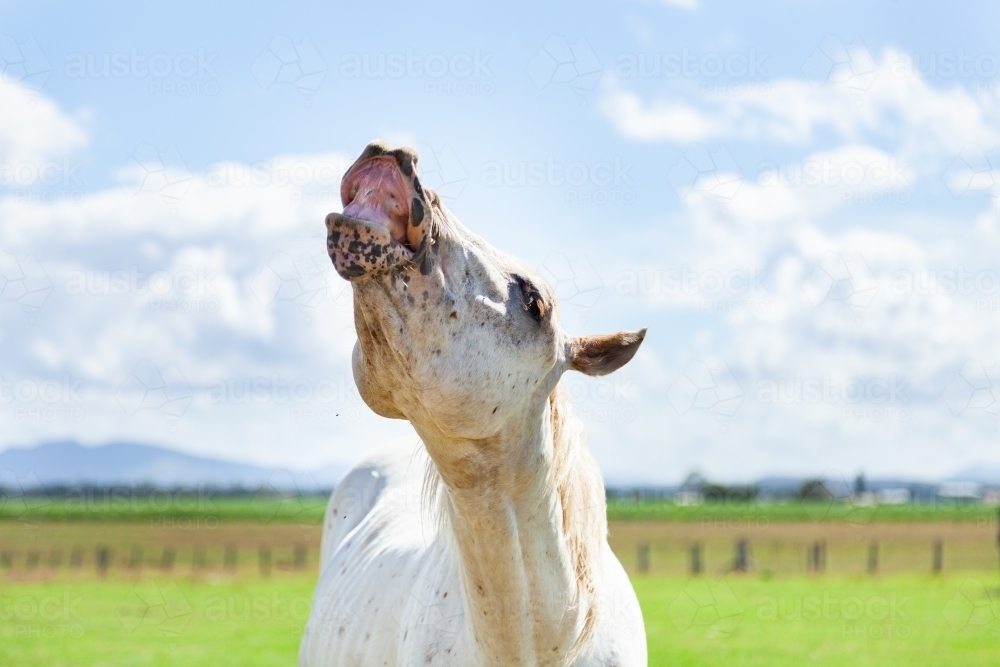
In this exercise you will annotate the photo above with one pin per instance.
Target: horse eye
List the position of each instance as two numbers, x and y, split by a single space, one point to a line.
531 299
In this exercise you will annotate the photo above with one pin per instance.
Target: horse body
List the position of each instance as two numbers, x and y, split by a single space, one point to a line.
389 591
485 544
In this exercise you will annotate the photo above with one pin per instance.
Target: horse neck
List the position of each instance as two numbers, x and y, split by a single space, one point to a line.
526 514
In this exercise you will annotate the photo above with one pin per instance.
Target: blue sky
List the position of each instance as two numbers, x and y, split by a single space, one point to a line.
798 198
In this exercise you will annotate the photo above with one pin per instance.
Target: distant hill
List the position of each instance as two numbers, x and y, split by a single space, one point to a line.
987 473
128 464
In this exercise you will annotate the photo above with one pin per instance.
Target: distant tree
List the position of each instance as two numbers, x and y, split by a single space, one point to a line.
694 482
718 492
813 489
860 486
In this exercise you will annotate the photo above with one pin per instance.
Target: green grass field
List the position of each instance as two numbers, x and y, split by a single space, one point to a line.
121 506
740 620
822 621
202 611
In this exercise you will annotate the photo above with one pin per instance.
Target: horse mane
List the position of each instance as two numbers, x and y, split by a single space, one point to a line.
577 480
575 477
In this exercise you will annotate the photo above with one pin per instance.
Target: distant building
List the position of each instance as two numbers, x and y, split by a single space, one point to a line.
897 496
960 491
691 490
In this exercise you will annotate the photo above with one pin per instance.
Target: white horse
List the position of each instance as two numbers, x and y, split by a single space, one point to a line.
485 543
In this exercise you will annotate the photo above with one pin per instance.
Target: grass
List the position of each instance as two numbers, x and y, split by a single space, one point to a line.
822 621
153 622
124 506
63 616
620 509
121 506
749 620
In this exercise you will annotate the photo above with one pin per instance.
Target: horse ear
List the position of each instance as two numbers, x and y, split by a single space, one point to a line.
600 355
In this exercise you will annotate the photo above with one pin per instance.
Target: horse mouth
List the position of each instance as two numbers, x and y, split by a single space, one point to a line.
372 235
360 247
375 191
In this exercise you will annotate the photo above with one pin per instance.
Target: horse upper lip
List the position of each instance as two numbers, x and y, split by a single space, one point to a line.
375 191
348 222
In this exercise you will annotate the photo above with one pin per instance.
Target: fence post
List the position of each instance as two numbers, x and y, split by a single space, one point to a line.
643 558
5 560
938 563
55 559
816 556
103 559
198 559
264 559
299 559
33 558
231 558
695 559
741 560
873 557
167 561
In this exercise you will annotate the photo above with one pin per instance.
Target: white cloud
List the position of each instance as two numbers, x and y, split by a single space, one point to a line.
226 282
789 281
662 120
170 278
689 5
898 103
34 128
